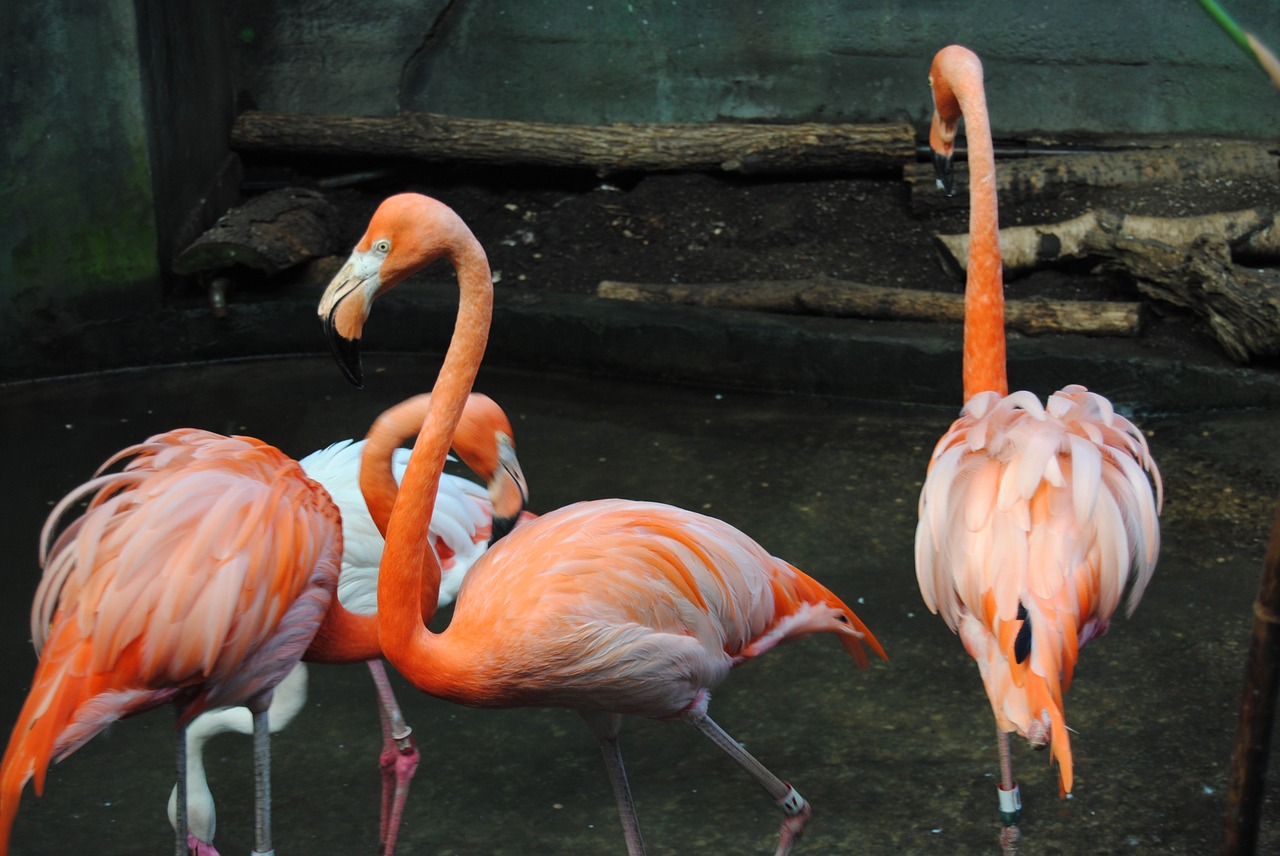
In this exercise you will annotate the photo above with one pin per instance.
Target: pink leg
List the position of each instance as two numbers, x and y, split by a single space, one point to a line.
399 759
1010 801
794 808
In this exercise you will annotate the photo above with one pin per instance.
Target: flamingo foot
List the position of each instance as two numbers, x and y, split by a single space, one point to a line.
798 812
399 761
200 848
1038 732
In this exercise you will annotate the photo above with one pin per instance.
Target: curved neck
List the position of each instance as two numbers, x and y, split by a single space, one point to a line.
377 479
409 576
984 338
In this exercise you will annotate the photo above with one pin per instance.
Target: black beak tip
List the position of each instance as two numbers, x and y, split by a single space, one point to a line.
942 168
346 352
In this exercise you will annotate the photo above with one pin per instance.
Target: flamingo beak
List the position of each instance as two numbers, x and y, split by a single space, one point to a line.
509 491
344 306
943 170
345 351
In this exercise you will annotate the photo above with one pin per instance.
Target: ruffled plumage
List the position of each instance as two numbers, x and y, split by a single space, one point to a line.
1045 508
198 574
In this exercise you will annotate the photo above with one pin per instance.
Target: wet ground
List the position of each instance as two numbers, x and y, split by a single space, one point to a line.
899 759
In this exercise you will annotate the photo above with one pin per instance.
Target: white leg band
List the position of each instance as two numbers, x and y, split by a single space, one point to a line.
792 804
1010 801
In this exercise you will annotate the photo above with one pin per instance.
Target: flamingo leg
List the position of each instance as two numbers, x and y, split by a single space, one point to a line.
262 776
622 793
1010 801
180 843
797 812
399 759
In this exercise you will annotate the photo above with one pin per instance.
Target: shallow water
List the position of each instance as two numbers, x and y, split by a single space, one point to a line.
898 759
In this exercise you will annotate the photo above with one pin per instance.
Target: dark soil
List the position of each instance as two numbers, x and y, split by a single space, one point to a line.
566 232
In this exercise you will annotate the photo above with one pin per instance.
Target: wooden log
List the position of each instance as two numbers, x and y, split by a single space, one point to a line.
1240 304
1018 180
739 148
842 299
1246 785
1252 233
269 233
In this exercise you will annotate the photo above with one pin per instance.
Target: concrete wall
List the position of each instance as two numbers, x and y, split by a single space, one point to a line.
1140 66
77 228
116 114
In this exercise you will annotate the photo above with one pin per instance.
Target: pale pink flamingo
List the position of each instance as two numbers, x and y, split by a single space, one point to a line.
198 576
1034 518
606 608
467 517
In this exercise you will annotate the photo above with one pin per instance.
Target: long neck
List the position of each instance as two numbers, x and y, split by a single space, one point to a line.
984 341
377 478
409 576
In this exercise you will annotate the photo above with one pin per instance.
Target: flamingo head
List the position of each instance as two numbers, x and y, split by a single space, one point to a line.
407 232
950 64
485 443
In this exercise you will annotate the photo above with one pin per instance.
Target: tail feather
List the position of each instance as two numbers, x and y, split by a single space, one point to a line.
795 596
68 704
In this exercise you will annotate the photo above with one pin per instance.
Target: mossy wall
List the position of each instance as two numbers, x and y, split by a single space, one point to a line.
77 229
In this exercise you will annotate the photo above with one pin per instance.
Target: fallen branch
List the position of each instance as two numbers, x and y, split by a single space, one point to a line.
852 299
1240 304
269 233
1018 180
1253 234
740 148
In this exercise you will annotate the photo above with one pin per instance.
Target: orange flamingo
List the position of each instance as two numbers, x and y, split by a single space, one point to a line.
1034 518
467 518
197 576
606 608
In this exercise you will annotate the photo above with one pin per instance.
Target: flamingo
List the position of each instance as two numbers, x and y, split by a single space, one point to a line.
467 517
1034 518
287 700
607 607
197 576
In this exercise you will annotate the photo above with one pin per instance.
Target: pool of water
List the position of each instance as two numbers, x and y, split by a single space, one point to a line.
898 759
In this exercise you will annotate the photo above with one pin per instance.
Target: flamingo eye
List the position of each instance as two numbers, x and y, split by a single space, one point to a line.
382 246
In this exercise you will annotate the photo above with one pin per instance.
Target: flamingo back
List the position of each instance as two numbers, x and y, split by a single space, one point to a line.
197 574
643 604
1034 520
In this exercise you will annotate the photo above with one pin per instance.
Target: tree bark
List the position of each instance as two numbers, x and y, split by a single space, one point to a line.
739 148
851 299
1018 180
270 233
1253 234
1240 304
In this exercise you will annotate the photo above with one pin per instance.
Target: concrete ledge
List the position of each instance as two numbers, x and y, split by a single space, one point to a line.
906 362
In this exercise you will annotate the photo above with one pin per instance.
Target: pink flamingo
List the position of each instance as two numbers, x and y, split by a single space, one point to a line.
166 591
606 608
466 519
1034 518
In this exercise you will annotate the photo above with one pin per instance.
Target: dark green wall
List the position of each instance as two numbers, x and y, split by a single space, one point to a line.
1140 66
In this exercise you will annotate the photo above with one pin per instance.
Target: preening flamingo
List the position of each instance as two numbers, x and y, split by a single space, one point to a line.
608 607
467 517
1034 518
198 576
289 697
